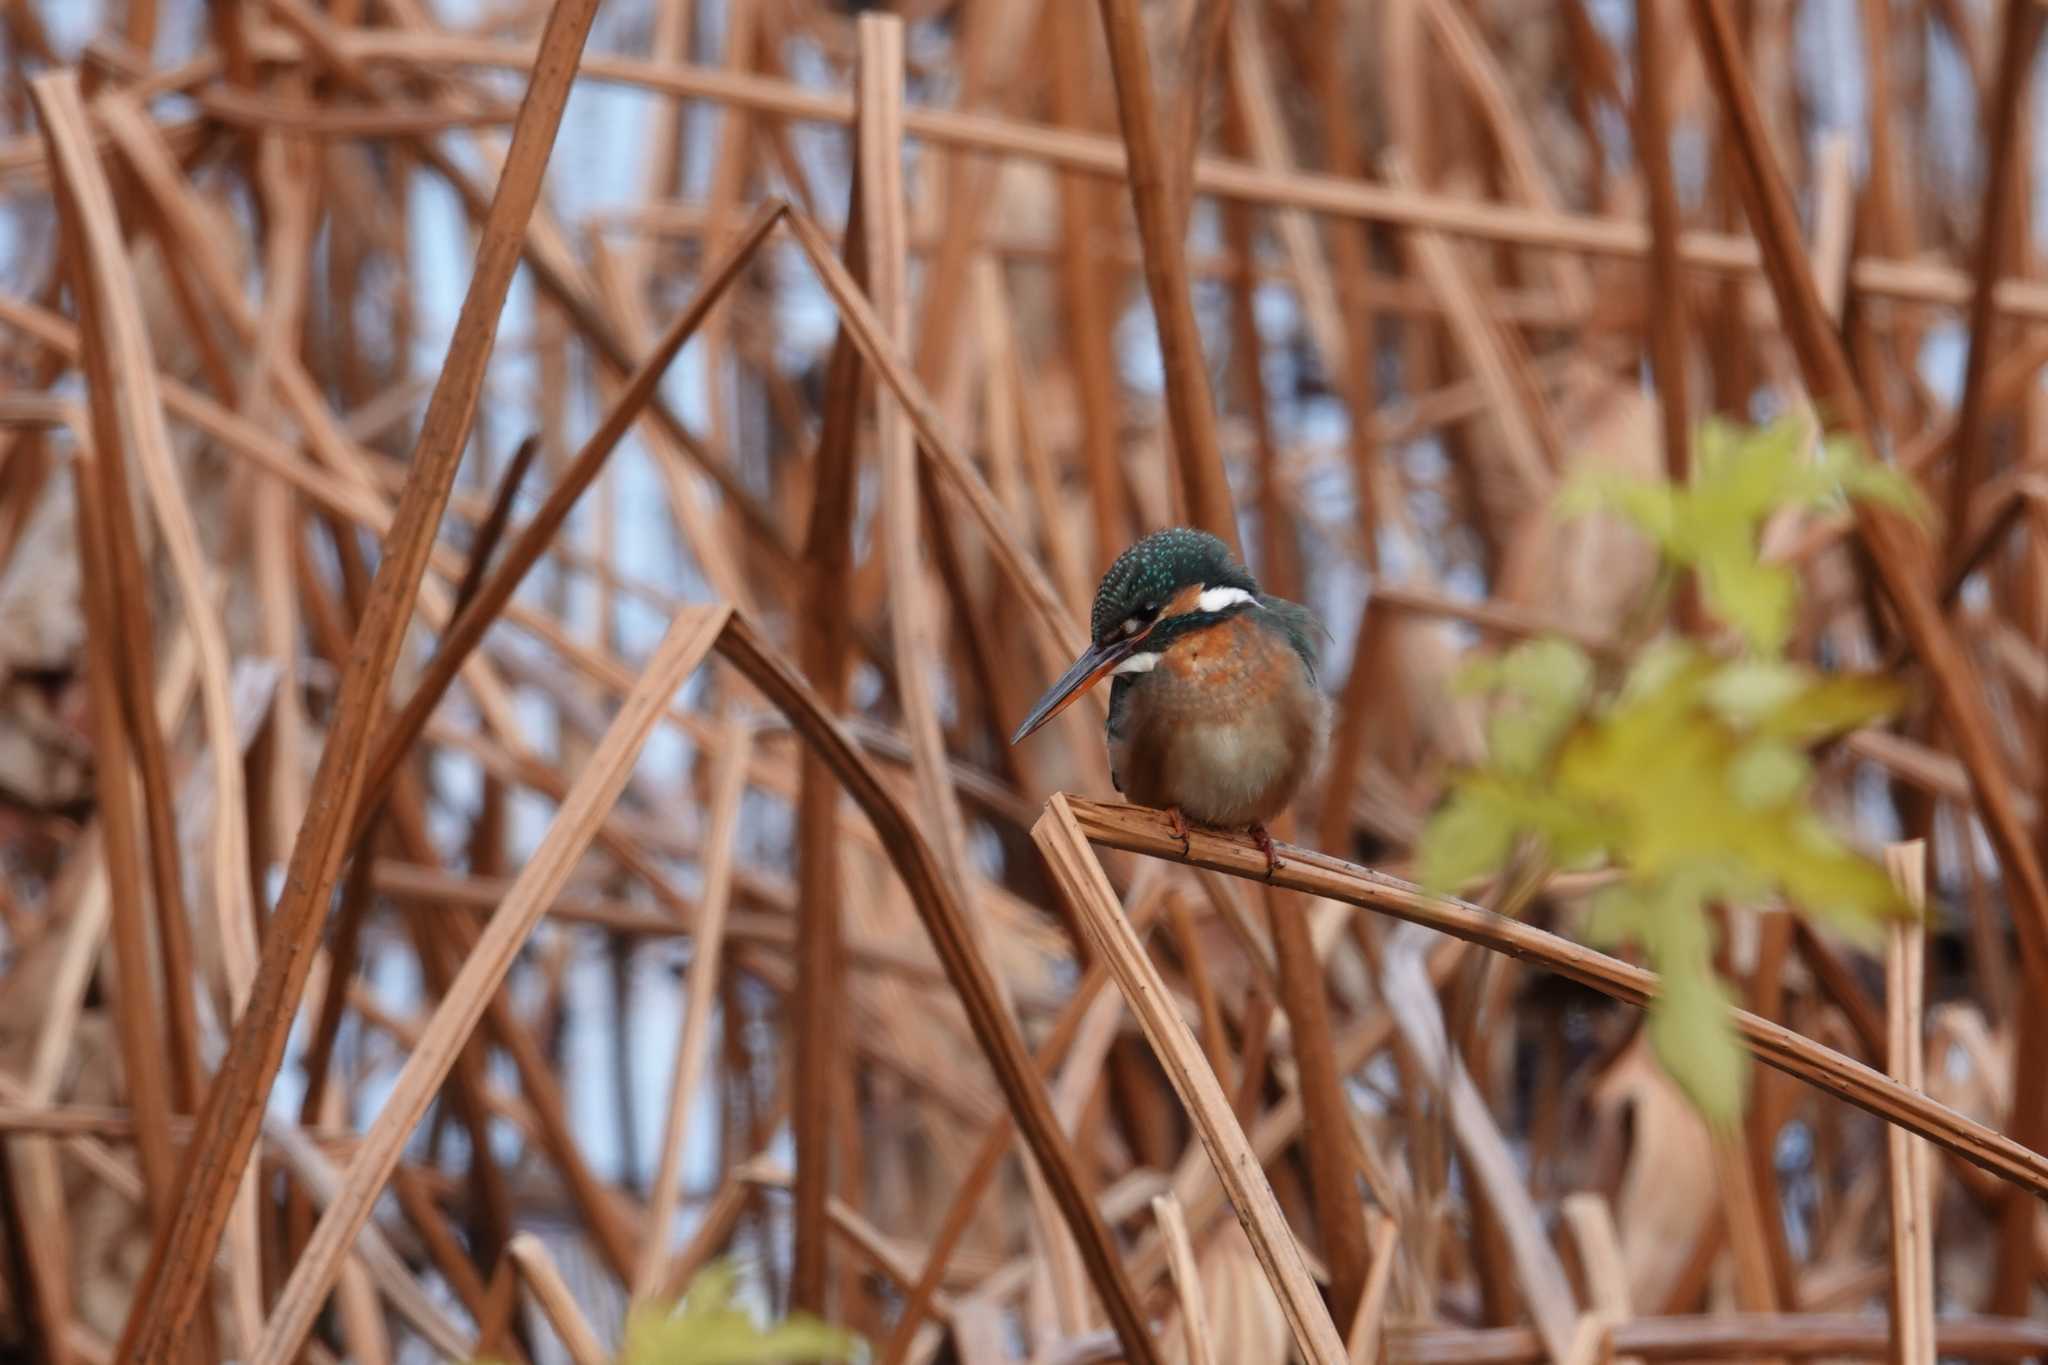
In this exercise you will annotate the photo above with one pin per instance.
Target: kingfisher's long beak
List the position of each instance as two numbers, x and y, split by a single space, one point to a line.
1095 664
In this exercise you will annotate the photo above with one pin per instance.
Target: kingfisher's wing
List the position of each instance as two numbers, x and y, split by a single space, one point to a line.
1305 631
1119 726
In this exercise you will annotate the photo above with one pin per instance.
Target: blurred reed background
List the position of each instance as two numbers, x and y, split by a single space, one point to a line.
495 820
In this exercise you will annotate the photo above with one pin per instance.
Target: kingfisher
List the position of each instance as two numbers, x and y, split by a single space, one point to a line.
1215 714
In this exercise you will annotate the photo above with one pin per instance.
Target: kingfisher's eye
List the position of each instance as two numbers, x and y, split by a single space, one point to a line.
1142 617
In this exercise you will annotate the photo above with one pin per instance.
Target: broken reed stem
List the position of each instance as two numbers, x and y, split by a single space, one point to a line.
135 1011
1186 1277
1908 1170
1190 409
693 1051
125 408
1383 1236
825 645
110 294
2005 178
110 522
1667 289
1086 889
544 1281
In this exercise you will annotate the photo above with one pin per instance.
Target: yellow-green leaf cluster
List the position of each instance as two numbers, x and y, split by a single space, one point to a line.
710 1328
1692 779
1711 525
1690 774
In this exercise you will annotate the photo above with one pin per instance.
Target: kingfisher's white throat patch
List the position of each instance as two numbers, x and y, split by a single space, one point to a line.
1216 599
1138 663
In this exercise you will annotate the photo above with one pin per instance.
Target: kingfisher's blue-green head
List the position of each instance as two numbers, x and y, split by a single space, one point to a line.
1169 583
1144 579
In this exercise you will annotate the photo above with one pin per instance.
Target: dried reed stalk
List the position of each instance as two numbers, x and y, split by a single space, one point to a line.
1060 837
1161 226
1912 1242
728 785
689 638
1368 1323
544 1281
229 1120
1187 1279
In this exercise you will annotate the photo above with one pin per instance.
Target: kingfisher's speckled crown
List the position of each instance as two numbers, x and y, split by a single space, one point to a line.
1160 565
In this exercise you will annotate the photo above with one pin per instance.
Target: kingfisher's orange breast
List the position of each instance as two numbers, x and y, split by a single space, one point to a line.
1225 726
1233 665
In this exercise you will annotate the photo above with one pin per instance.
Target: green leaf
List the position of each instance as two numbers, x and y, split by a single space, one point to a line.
1614 915
1767 774
1690 1027
1694 781
1651 506
1660 667
709 1328
1468 837
1832 705
1832 882
1690 776
1742 477
1712 524
1675 931
1747 691
1547 669
730 1337
1694 1036
1547 683
1869 480
1758 599
711 1290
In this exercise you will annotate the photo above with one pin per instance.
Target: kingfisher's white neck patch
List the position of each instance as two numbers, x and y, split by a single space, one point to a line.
1138 663
1216 599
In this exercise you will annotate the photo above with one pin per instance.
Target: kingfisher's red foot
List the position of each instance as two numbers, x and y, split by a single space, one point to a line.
1265 843
1180 829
